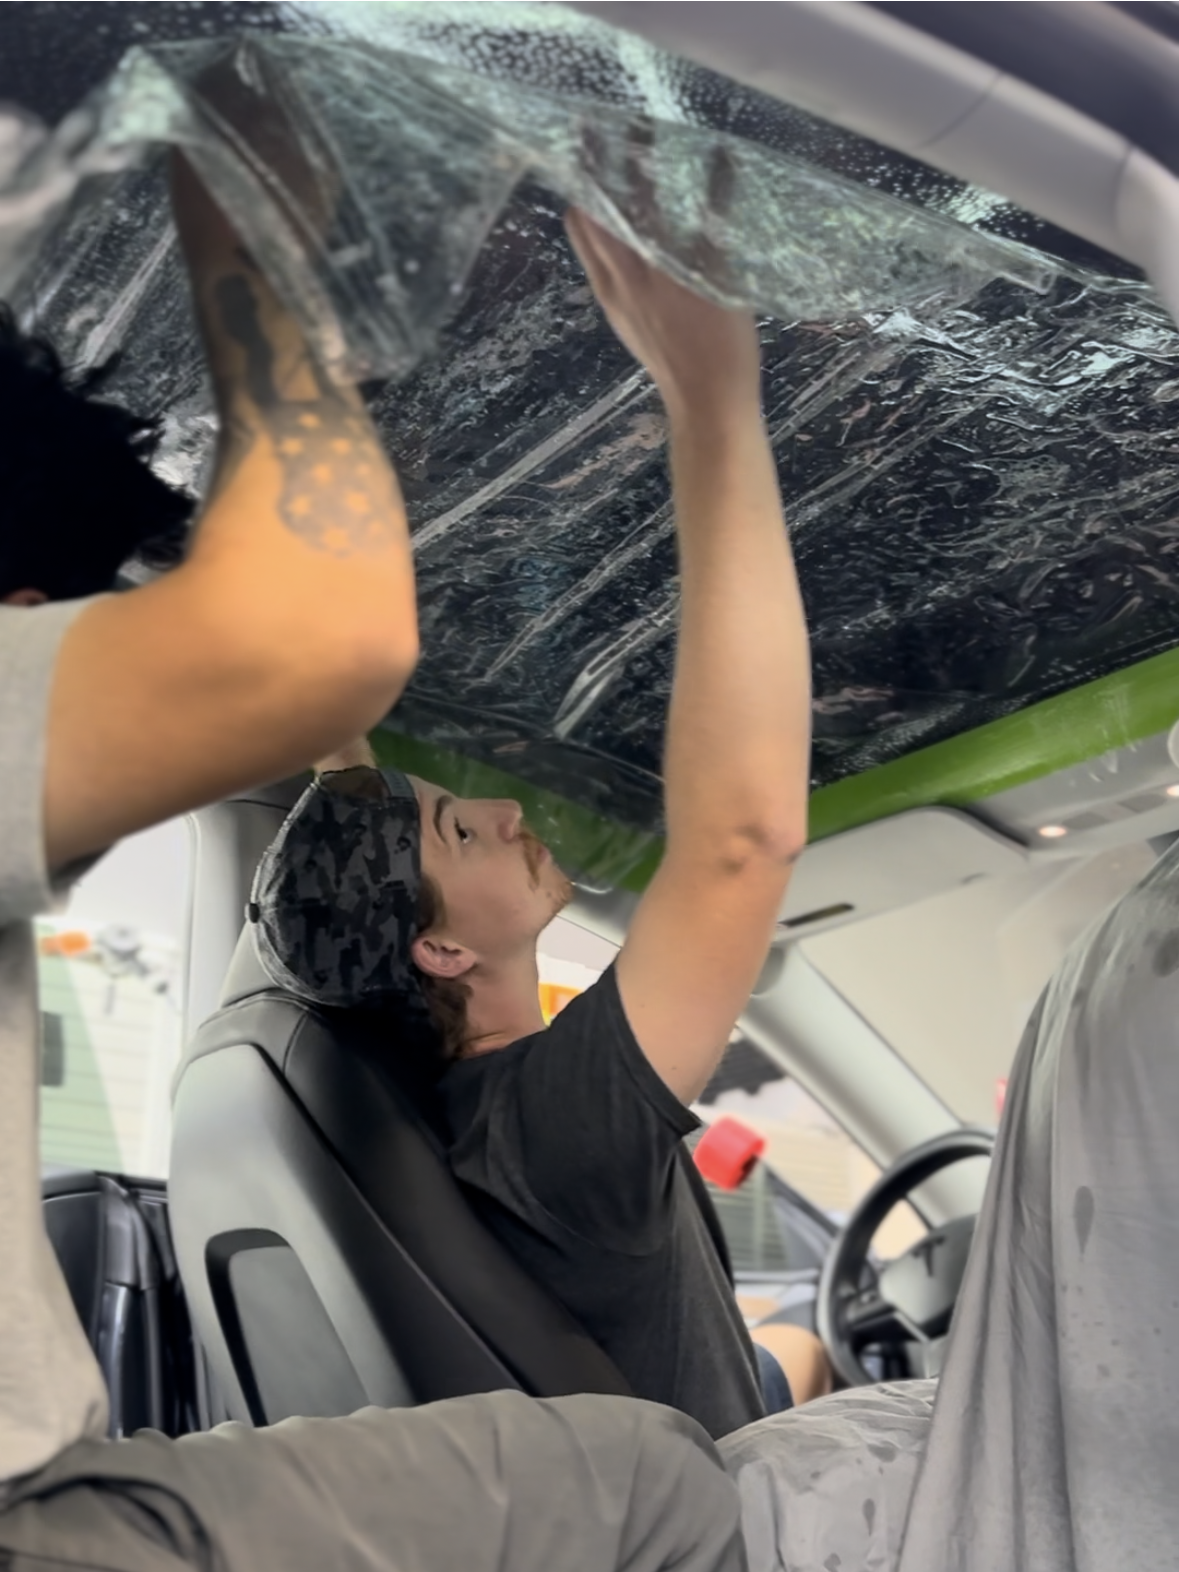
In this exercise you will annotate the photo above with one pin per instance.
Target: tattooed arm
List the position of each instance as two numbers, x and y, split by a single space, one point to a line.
291 627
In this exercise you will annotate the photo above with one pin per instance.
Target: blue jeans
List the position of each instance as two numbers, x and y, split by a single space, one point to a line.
775 1388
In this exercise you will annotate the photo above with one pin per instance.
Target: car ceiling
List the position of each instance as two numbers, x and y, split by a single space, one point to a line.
973 415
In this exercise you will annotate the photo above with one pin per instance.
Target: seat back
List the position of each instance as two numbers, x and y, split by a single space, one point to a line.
112 1242
329 1256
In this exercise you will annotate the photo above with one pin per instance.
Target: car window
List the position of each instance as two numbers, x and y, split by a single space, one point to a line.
806 1147
112 981
950 982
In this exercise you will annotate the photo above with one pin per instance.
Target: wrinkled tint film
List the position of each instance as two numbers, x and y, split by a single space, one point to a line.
972 412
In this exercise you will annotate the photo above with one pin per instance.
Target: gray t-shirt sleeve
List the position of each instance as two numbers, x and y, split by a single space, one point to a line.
51 1390
30 638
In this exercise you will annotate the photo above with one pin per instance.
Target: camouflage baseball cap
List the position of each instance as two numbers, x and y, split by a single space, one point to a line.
335 896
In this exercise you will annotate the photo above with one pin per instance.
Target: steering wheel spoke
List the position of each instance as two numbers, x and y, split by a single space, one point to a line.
867 1317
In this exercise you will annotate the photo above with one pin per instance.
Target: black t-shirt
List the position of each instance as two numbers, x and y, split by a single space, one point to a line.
576 1141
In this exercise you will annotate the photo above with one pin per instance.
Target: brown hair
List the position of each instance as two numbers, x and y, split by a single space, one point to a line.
446 997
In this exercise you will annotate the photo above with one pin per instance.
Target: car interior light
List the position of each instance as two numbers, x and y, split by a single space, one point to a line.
1052 832
1173 791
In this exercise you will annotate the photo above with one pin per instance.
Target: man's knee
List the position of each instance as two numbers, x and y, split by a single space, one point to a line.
645 1483
684 1510
574 1484
802 1357
669 1447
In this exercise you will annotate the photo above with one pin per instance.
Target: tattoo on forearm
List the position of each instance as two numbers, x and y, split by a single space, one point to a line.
332 484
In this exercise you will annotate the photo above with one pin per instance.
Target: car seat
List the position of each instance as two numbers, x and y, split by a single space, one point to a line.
329 1257
111 1240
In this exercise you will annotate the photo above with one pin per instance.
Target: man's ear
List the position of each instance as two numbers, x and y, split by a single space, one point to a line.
25 597
437 958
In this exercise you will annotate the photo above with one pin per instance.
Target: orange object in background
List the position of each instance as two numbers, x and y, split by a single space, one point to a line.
553 999
69 943
727 1152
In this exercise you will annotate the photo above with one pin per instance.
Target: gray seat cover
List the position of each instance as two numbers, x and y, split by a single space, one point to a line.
1055 1432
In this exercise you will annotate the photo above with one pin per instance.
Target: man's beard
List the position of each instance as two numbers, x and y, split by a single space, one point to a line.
534 853
534 860
563 893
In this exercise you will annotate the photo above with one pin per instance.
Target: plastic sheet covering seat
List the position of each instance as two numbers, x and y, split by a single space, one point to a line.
972 412
1049 1443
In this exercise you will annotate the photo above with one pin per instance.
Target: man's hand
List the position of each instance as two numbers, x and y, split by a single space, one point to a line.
704 360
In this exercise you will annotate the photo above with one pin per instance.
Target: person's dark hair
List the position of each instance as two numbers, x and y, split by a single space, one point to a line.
446 997
77 498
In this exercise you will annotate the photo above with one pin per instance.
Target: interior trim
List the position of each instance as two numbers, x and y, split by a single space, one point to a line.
1161 16
1098 59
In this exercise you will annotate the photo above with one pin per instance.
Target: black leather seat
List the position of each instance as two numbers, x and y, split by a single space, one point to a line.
111 1239
329 1257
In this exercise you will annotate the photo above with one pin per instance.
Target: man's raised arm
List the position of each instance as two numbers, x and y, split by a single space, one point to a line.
291 627
738 735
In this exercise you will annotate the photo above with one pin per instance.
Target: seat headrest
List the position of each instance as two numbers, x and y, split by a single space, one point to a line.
248 984
245 976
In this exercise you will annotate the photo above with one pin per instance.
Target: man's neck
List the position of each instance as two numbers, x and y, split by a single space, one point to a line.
504 1005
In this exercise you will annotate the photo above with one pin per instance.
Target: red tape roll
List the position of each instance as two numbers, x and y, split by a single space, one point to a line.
727 1151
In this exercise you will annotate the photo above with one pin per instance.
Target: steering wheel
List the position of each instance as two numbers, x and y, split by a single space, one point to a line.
910 1300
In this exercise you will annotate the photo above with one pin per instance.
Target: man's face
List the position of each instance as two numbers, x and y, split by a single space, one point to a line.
500 886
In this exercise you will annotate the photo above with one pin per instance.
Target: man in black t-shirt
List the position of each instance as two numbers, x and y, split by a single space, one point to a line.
381 887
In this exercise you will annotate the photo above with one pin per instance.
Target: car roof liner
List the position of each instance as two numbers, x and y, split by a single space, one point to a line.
972 411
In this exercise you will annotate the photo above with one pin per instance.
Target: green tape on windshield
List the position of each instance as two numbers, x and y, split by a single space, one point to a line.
1096 718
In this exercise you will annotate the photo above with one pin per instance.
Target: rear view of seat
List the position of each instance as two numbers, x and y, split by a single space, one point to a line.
113 1246
329 1257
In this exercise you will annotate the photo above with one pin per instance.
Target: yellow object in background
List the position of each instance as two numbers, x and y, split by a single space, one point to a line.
553 999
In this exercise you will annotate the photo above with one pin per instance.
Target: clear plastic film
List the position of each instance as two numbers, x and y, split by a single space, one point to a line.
971 411
396 165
